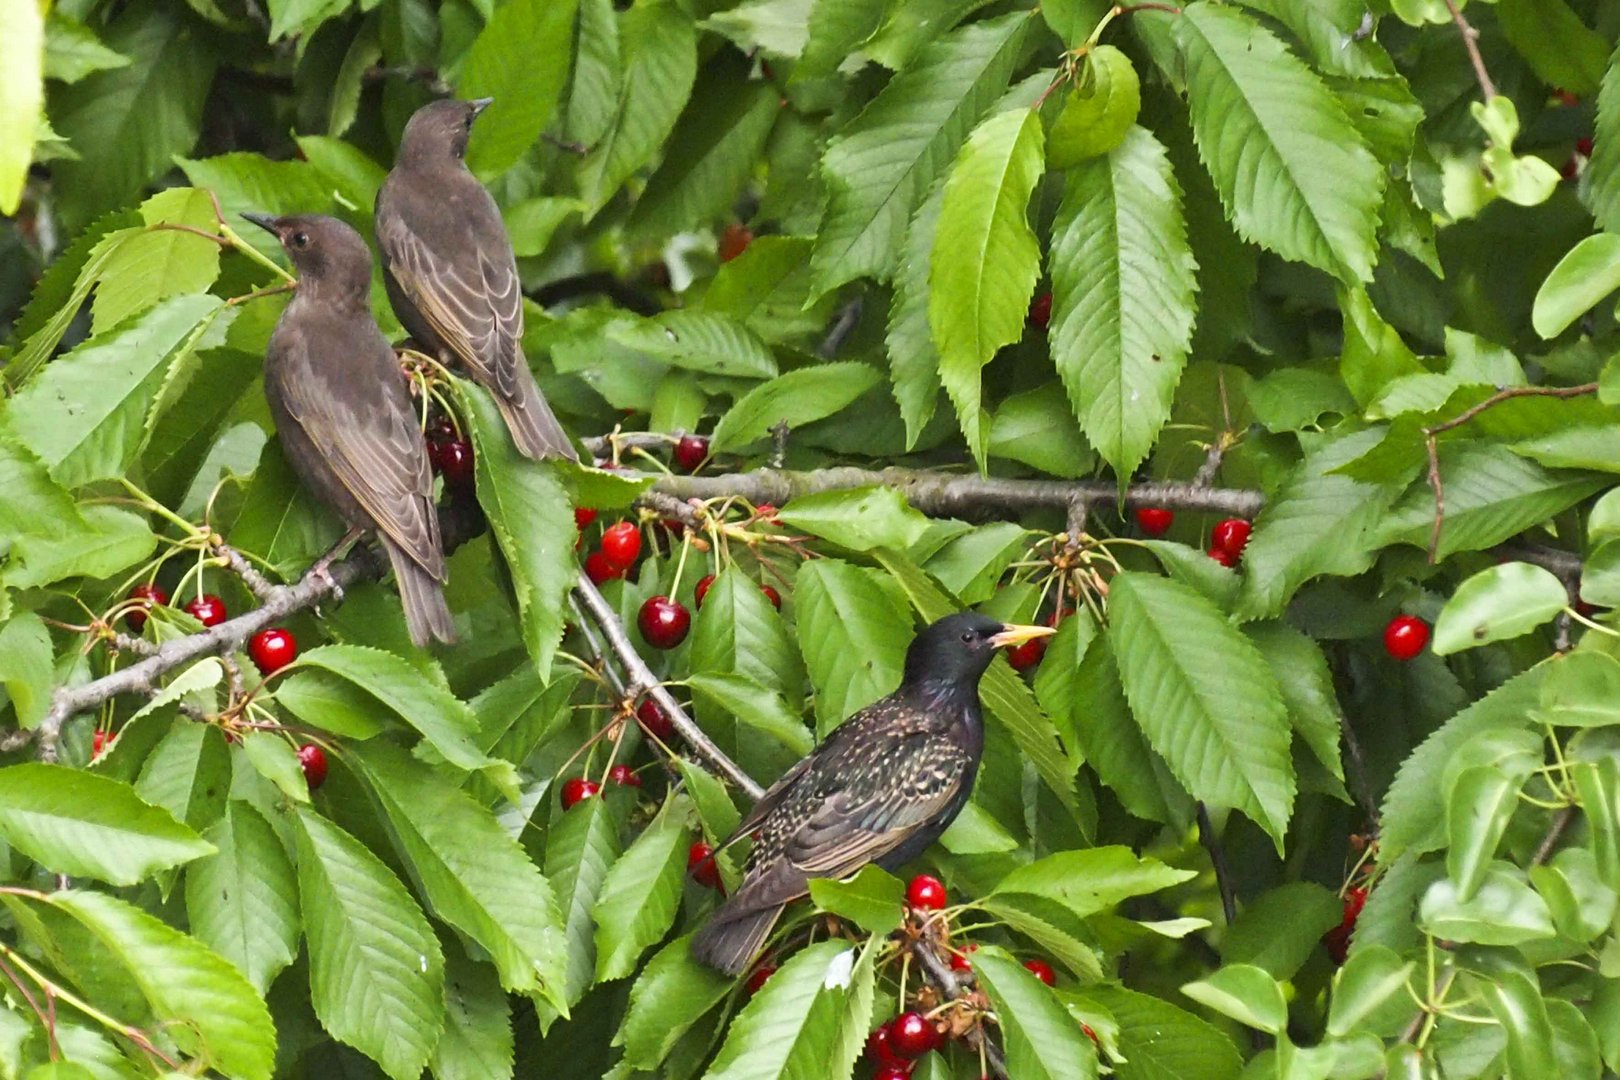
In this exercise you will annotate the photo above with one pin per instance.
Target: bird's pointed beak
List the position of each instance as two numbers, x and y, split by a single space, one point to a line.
1014 634
480 104
267 222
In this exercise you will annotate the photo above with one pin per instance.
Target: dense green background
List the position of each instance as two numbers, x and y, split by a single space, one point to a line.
1294 252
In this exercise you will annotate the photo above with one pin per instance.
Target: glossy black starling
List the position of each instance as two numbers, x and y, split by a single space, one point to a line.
451 275
344 416
880 789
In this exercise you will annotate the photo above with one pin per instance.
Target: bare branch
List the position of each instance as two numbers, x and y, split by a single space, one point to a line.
1470 38
938 972
1217 857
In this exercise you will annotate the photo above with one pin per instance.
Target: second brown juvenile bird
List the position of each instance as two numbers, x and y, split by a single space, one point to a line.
344 416
451 274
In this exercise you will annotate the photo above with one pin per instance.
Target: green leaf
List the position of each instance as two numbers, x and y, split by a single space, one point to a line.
188 774
278 521
1498 604
242 902
84 825
698 341
793 1027
873 899
753 705
580 848
1122 296
672 994
85 414
1479 807
1159 1041
913 360
985 260
1042 1041
744 634
1561 49
1516 1000
847 619
1503 911
1280 929
1318 522
795 399
1203 695
529 515
532 222
1092 880
206 1005
1601 189
128 123
594 87
504 63
1371 976
1598 784
859 519
1037 428
1581 689
1245 993
72 50
1100 109
971 564
442 718
157 263
658 48
477 1043
766 288
375 970
1307 689
641 893
1583 277
1581 902
22 96
881 164
26 670
1293 173
344 167
475 877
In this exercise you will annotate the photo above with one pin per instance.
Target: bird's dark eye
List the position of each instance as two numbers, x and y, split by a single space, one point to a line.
968 635
300 240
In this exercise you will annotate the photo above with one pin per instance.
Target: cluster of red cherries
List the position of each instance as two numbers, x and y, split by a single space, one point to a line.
449 454
1226 541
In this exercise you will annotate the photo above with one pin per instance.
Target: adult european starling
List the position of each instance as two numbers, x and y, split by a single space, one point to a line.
451 275
344 416
880 789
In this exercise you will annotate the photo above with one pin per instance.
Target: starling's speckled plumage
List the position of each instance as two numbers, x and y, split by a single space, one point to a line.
451 275
880 789
344 416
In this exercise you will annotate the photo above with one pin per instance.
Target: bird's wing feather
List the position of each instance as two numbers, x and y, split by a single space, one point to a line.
471 297
375 449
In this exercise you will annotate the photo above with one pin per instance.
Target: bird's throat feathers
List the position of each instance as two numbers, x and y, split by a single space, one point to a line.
953 702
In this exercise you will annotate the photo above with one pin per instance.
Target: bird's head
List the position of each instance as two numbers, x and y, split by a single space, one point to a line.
437 133
331 258
958 648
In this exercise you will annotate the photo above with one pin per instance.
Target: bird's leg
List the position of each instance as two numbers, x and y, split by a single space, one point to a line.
322 570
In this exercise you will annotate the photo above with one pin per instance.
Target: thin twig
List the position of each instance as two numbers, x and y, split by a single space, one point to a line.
639 680
843 324
1555 831
1431 434
1470 38
946 981
256 582
1217 857
597 652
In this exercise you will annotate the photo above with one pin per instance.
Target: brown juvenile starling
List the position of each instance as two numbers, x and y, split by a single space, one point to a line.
451 275
880 789
344 415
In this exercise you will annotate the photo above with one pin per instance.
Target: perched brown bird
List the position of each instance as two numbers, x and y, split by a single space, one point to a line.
451 275
344 416
880 789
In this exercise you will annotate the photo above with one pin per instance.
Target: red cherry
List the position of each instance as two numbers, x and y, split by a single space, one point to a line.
1231 536
1565 98
440 428
959 960
734 240
1040 310
766 512
583 516
773 596
101 742
655 721
760 977
881 1052
911 1035
1042 971
453 460
690 452
1405 636
599 569
664 622
313 759
624 776
1224 557
1355 898
1154 520
621 544
925 893
1571 168
207 609
893 1072
702 589
1092 1035
1583 147
1026 654
147 595
701 865
273 649
577 789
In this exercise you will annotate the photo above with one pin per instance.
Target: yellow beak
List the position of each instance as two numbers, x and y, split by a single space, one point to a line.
1013 634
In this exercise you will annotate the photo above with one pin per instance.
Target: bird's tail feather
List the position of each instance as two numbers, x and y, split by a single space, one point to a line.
734 936
533 425
426 613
